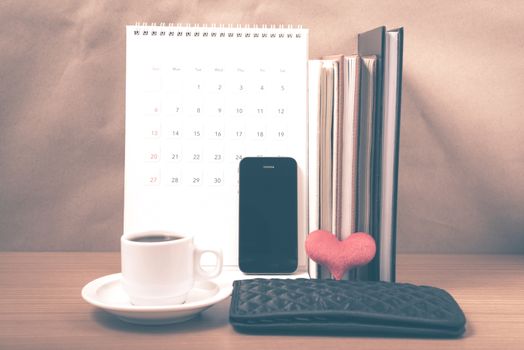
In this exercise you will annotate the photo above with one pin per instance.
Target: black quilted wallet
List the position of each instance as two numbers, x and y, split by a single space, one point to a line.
344 307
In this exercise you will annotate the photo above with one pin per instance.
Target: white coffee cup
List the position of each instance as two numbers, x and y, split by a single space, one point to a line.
158 271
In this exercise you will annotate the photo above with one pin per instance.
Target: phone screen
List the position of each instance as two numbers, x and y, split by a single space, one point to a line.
268 215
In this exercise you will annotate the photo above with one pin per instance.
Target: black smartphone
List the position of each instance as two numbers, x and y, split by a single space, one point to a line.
268 223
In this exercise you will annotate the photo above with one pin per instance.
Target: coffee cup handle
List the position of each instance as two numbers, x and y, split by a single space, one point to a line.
204 274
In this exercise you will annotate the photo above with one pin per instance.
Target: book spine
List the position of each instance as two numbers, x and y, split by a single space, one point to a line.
367 114
338 128
328 114
400 58
314 71
349 151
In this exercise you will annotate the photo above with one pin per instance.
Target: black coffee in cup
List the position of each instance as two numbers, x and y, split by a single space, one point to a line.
159 267
154 239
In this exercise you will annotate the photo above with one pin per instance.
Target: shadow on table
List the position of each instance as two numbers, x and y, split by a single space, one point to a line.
207 320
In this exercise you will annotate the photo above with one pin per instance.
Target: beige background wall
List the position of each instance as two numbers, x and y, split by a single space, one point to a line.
62 79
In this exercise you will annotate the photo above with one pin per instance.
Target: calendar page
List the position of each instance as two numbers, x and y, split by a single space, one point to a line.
198 100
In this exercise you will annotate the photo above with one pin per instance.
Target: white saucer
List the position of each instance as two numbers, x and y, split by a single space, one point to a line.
108 294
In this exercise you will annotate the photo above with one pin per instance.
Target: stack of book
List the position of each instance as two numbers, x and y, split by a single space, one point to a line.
354 123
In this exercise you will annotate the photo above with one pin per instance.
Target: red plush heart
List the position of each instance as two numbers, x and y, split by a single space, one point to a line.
340 256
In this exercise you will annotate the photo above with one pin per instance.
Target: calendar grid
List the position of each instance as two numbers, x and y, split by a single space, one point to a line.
195 106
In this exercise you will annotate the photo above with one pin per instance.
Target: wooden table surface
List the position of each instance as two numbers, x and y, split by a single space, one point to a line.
41 308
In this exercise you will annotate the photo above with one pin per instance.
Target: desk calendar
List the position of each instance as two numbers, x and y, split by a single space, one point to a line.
198 100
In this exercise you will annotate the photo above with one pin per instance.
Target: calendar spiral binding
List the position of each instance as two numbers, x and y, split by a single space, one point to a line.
170 29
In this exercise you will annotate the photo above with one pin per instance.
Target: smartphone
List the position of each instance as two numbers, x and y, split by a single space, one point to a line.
268 222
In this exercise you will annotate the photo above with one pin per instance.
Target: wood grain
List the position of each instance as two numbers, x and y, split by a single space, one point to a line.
41 308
